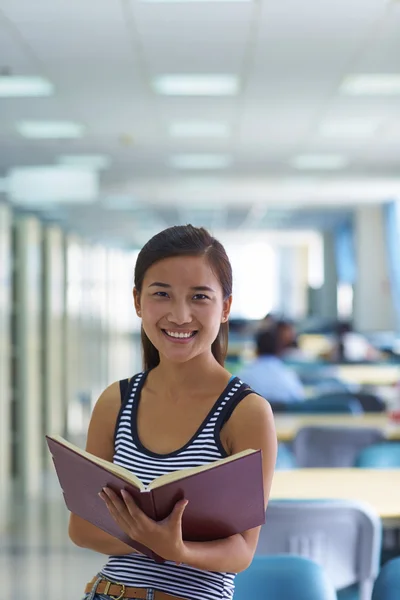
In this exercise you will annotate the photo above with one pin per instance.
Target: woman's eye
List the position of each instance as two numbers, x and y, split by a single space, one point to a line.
161 294
201 297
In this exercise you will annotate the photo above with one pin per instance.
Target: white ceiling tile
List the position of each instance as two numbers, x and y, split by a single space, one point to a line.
193 39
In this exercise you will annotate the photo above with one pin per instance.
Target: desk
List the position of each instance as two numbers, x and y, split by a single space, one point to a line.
378 488
287 425
378 374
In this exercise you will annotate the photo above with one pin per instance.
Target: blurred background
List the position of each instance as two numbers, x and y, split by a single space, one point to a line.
276 125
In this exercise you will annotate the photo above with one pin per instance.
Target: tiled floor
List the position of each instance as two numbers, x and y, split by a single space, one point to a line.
37 560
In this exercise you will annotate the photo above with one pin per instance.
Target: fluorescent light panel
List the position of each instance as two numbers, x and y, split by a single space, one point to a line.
200 161
357 128
19 87
50 129
319 161
40 185
196 85
86 161
384 84
119 203
202 129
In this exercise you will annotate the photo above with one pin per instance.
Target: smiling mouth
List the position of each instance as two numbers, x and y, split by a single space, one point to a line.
179 335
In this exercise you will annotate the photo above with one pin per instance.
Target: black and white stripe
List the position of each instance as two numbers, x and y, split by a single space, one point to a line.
140 571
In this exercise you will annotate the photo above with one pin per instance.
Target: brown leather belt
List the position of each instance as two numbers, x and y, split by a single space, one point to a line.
119 591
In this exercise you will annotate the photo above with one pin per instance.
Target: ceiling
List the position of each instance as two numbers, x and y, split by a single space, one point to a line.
291 58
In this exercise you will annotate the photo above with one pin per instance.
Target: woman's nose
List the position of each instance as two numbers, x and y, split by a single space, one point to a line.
180 313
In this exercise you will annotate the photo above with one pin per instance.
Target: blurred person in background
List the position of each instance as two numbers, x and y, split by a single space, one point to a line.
267 374
288 343
351 346
268 321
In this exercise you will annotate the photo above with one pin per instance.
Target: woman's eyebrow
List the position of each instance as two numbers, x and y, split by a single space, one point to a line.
202 288
159 284
196 288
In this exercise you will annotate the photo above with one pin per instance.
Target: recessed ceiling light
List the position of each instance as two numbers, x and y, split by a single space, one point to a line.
18 87
86 161
374 84
200 161
50 129
319 161
196 85
32 185
349 128
119 203
206 129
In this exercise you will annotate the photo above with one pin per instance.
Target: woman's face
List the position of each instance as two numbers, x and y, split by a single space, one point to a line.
182 307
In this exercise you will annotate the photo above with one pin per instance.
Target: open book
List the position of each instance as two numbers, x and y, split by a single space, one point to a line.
225 497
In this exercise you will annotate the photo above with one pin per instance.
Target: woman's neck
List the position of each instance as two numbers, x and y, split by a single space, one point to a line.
187 375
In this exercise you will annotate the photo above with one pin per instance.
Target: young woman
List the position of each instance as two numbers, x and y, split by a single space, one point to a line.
183 410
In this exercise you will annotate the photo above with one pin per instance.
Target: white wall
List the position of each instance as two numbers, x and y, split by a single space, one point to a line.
27 393
53 332
5 346
373 304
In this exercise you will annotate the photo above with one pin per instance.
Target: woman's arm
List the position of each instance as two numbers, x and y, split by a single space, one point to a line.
100 441
250 426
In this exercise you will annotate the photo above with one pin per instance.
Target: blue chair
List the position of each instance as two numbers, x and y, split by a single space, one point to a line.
379 456
387 585
285 459
324 446
369 402
327 405
283 578
342 536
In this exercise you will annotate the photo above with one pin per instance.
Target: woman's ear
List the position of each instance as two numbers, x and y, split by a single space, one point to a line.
226 309
136 300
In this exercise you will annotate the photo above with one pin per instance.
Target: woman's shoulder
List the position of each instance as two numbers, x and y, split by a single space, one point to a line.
251 424
109 401
248 406
100 438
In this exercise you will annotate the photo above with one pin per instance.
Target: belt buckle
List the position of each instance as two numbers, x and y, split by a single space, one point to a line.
122 594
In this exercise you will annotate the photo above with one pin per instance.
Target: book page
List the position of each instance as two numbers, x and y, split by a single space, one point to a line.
183 473
109 466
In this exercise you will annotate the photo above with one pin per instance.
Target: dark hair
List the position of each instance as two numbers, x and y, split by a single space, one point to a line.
185 240
267 342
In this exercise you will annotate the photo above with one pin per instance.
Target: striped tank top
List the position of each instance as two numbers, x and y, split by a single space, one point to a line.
205 447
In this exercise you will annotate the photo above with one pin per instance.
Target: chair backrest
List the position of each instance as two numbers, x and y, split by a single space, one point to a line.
283 578
332 446
369 402
379 456
332 385
344 537
328 405
387 586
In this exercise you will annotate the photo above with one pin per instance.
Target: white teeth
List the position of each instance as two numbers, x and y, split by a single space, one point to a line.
176 334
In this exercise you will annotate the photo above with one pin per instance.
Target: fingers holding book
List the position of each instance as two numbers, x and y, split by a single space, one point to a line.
163 537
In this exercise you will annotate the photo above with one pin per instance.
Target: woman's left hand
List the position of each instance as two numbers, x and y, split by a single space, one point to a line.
162 537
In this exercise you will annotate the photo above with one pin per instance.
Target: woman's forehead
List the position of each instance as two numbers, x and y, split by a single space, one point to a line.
181 270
